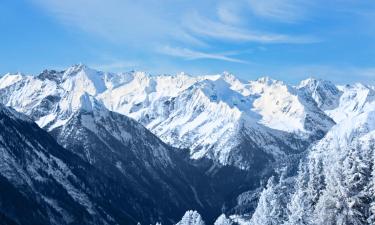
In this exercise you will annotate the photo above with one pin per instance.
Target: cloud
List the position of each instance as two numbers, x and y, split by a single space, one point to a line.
119 21
229 12
138 26
193 55
280 10
148 22
218 30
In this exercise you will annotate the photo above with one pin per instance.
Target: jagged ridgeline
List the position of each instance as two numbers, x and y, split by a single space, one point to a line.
90 147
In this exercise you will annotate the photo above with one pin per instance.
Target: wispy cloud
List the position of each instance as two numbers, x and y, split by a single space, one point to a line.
230 12
119 21
193 55
218 30
143 24
280 10
153 21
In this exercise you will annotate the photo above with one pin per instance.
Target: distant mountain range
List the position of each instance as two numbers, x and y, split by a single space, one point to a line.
82 146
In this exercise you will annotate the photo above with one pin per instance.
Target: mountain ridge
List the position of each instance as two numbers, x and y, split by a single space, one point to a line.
190 142
159 103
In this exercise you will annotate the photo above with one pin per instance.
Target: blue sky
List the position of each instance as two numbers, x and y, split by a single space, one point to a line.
284 39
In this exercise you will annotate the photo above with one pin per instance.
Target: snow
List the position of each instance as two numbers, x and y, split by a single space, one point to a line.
279 106
203 113
351 102
45 120
37 164
325 93
223 220
241 219
9 79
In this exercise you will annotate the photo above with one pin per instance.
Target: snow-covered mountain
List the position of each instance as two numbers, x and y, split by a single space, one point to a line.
335 181
111 171
126 151
159 182
325 93
337 101
43 183
213 115
134 130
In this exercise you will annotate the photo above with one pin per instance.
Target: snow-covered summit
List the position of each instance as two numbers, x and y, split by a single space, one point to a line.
352 101
9 79
286 108
325 93
203 113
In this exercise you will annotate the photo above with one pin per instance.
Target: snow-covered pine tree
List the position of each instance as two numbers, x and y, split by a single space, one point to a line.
330 203
270 210
191 218
223 220
300 207
316 179
345 200
371 186
357 173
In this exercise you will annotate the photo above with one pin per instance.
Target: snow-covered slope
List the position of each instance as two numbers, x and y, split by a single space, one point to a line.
119 172
338 102
43 183
325 93
286 108
121 148
9 79
352 101
92 118
335 183
210 115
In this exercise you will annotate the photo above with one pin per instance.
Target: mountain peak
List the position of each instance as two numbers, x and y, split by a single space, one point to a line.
230 78
268 80
325 93
140 75
73 70
9 79
79 66
52 75
312 81
228 75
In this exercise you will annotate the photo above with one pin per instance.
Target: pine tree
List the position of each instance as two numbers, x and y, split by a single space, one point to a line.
345 199
270 210
371 186
191 218
300 205
316 179
357 175
223 220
